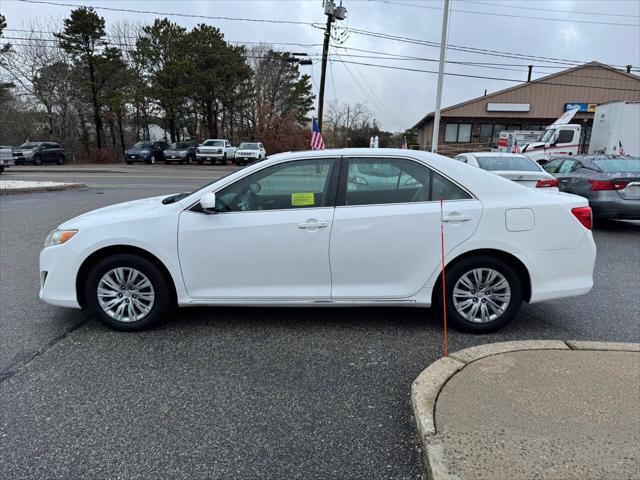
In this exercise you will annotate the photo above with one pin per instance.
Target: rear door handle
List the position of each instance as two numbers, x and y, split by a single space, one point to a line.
312 225
456 218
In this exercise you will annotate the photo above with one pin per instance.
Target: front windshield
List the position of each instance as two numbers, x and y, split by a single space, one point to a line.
546 136
29 146
619 164
213 143
520 164
248 146
179 146
143 145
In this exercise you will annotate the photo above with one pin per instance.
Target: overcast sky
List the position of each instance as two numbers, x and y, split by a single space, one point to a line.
400 98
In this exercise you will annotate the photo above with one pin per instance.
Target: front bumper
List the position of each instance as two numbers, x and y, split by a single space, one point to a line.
210 155
58 271
136 157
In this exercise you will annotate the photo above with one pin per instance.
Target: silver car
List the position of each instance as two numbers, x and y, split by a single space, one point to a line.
610 183
6 157
513 166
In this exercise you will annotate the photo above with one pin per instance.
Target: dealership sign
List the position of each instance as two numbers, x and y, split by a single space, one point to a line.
582 107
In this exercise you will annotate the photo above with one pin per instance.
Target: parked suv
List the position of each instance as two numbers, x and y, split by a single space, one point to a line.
250 152
183 152
39 153
147 152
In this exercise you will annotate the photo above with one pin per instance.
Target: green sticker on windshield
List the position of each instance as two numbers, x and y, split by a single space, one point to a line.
302 199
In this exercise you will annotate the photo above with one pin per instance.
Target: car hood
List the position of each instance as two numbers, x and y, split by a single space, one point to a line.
126 211
138 150
176 152
533 146
210 148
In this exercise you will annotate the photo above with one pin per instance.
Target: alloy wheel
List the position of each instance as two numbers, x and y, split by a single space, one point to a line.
125 294
481 295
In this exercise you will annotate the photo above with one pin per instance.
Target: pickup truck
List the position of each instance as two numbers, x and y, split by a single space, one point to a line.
215 150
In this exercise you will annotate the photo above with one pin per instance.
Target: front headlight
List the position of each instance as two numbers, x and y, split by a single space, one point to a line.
58 237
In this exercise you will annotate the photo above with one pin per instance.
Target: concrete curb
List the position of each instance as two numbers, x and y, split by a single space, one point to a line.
427 387
69 170
51 188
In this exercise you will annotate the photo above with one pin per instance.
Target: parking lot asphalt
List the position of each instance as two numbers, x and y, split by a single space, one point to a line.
235 392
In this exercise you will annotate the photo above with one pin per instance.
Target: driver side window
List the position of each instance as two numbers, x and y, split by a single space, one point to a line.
297 184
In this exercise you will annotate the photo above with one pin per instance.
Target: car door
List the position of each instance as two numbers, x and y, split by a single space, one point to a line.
270 239
46 152
385 241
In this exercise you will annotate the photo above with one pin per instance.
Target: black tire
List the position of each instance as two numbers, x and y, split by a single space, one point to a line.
128 162
199 162
60 159
37 160
224 159
1 168
458 270
167 162
163 304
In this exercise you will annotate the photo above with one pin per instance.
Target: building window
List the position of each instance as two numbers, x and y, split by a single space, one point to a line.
486 132
457 133
512 127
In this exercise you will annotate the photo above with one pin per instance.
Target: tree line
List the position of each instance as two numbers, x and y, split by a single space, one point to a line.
98 90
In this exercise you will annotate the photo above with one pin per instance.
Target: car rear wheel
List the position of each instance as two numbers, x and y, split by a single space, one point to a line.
37 160
60 160
128 292
483 294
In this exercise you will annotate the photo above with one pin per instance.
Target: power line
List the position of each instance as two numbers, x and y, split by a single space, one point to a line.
537 82
538 9
494 14
462 48
173 14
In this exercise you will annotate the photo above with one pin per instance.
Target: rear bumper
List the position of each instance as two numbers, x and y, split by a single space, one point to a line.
561 273
615 208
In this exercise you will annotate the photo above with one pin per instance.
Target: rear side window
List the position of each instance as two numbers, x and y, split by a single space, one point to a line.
375 181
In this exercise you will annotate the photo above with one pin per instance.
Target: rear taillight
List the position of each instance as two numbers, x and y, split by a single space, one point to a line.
599 185
551 182
584 216
502 142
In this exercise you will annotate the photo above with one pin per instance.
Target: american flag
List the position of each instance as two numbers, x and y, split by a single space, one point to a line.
620 149
404 143
516 147
317 143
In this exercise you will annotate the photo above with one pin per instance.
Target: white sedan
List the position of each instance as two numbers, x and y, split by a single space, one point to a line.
514 166
327 228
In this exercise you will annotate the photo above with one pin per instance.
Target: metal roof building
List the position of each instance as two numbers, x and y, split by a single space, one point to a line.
476 124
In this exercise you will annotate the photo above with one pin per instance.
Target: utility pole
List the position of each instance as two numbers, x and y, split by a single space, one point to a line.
333 13
443 50
346 137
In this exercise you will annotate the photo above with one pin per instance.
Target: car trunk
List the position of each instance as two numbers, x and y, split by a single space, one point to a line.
528 179
632 190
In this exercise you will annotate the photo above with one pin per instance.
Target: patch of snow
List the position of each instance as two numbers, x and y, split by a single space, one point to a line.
20 184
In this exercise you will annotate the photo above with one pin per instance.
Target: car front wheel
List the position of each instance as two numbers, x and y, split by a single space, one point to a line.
483 294
128 292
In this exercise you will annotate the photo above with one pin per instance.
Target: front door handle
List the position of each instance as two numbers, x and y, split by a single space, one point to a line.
456 218
312 224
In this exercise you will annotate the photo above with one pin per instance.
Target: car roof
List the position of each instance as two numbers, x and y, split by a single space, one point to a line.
496 154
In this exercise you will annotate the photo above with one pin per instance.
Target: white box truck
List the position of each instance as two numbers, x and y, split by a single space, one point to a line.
616 129
615 125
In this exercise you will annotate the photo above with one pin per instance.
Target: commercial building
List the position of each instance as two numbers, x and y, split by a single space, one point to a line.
475 124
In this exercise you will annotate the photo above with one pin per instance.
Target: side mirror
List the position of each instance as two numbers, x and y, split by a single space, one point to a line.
208 202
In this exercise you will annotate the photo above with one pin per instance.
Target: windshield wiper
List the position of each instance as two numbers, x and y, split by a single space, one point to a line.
174 198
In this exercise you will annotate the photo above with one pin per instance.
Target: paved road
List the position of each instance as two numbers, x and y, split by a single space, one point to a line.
235 392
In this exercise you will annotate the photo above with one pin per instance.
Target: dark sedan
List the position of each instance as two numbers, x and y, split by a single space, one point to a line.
147 152
610 183
183 152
